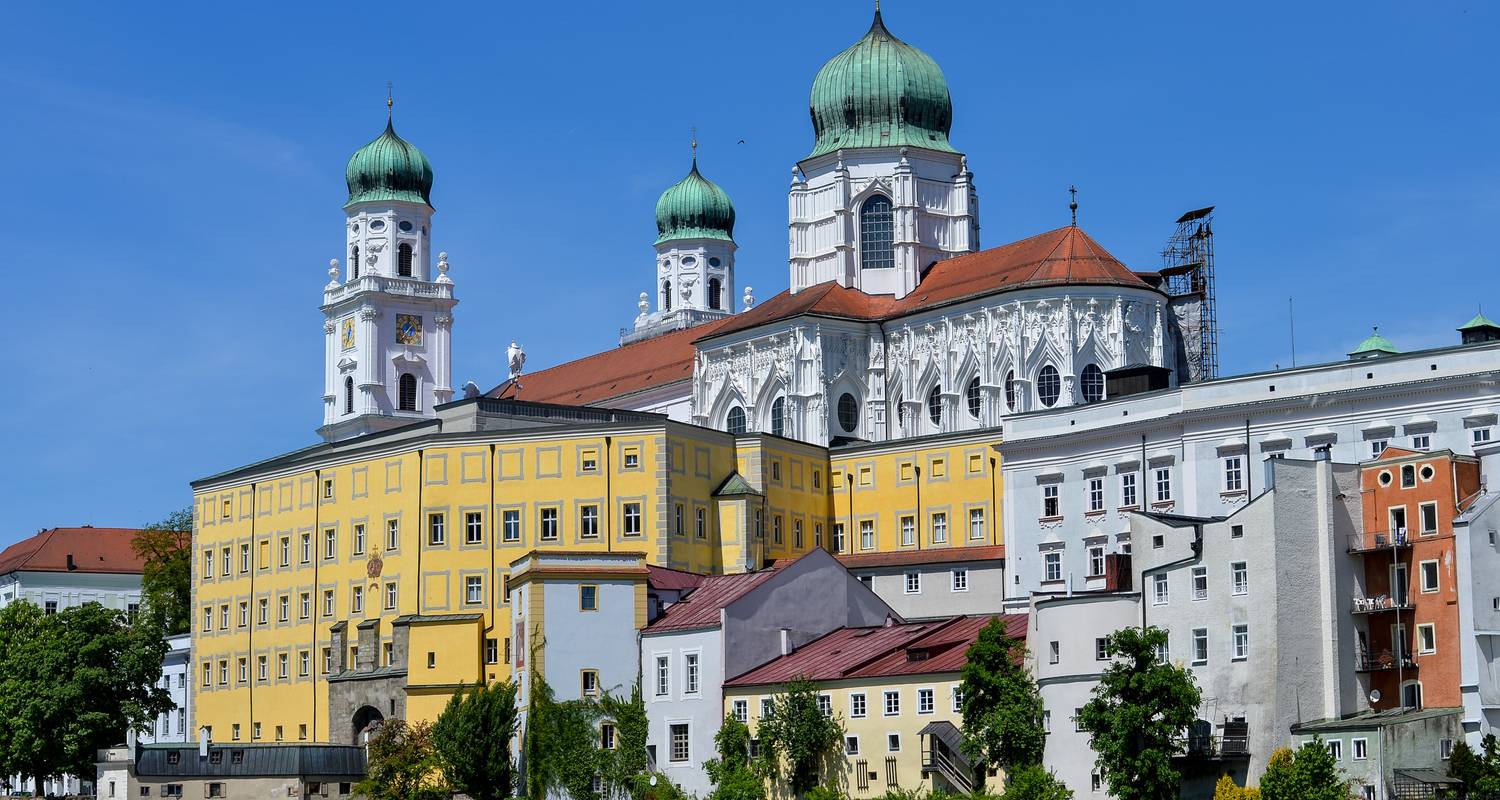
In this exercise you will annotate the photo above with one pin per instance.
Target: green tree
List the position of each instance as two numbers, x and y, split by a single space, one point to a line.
797 733
1309 773
1478 772
733 774
473 735
1034 782
626 767
1464 765
1137 715
403 764
1002 709
71 683
166 579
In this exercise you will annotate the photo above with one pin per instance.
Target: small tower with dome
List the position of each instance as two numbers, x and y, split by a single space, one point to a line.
694 274
387 311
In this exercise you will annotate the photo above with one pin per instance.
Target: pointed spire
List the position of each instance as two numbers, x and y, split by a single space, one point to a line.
390 103
694 144
1073 204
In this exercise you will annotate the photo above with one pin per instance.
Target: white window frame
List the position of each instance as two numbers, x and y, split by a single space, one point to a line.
1161 592
1239 639
663 674
1200 647
1051 501
1239 577
1129 494
1052 566
858 707
926 701
1359 749
692 673
1200 583
1437 579
1163 485
891 698
1233 472
911 582
939 522
908 530
976 524
959 578
1096 560
1095 495
1426 633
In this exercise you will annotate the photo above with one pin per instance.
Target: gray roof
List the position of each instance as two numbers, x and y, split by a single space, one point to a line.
1368 721
251 760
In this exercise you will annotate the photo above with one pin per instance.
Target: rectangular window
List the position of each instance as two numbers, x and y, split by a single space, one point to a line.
437 531
892 703
283 609
677 519
633 519
330 543
1429 520
328 602
1336 749
1200 646
908 531
244 614
244 558
679 742
976 523
662 672
1159 595
1127 490
1360 748
765 707
825 706
797 534
741 711
588 521
357 600
1200 583
867 534
589 682
1096 495
892 745
223 616
223 673
1421 442
1096 561
702 520
283 665
390 596
208 564
392 534
913 582
1052 566
690 673
327 660
960 580
1164 653
1164 485
1378 446
1240 635
1426 638
857 705
510 525
1049 501
305 556
1236 531
208 618
304 605
1054 652
304 662
359 540
244 669
838 538
548 518
1429 576
958 699
1101 648
285 550
776 528
590 461
940 528
1239 574
1234 474
588 598
926 701
473 527
1481 435
632 458
473 589
851 748
227 562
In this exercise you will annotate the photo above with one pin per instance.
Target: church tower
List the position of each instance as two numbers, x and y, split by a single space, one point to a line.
387 316
883 194
694 258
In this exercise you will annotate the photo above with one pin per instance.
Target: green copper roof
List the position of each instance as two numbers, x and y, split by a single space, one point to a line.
389 168
694 208
734 485
881 92
1376 345
1479 321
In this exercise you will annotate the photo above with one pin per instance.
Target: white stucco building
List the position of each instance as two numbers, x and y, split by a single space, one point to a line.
175 725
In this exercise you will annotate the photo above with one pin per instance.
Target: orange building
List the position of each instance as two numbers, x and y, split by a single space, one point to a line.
1407 620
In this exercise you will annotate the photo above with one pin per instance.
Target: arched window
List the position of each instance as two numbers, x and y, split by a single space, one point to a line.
900 412
736 422
407 396
714 290
935 405
1048 385
778 417
876 234
666 295
403 260
1093 384
348 395
1010 390
848 412
971 394
354 263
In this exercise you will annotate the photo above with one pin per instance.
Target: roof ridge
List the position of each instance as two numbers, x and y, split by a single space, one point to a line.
901 644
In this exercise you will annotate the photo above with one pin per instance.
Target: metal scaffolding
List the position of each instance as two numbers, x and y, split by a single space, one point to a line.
1188 279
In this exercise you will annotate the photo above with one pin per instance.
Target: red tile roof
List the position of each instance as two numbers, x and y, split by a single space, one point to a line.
701 608
672 579
93 550
881 652
937 555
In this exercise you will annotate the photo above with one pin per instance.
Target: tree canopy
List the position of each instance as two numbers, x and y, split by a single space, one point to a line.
1002 709
403 764
1308 773
796 736
71 683
1034 782
1479 772
733 774
166 580
473 736
1137 715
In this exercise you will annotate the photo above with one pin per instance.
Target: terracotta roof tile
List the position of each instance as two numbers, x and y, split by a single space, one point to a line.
939 555
93 550
941 645
700 609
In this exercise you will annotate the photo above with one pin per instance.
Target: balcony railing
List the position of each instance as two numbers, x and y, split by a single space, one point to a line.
1211 746
1382 660
1375 542
1385 602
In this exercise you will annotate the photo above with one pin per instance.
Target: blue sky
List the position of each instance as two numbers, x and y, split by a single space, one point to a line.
176 174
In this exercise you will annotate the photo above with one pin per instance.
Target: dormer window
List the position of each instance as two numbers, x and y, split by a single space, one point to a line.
876 234
403 260
917 654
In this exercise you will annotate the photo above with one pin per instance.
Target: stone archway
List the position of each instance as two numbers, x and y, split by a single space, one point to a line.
367 718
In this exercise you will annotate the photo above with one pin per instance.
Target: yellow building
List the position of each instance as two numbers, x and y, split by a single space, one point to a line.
895 690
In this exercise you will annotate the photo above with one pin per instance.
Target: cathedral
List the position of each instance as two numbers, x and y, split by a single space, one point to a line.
895 322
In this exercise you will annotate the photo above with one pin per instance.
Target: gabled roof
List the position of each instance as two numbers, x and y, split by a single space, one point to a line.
99 550
735 485
1479 321
701 608
912 648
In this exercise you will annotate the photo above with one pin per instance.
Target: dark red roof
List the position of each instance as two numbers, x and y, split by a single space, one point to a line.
672 579
932 555
882 651
93 550
701 608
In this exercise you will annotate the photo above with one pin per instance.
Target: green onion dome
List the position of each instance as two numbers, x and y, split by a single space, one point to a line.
389 168
694 208
881 92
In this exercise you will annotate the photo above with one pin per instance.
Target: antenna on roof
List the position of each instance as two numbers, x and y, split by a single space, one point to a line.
1291 323
1073 203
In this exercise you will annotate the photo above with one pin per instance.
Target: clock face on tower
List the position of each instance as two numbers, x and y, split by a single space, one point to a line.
409 329
346 333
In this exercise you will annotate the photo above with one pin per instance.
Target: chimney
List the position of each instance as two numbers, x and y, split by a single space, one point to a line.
786 642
